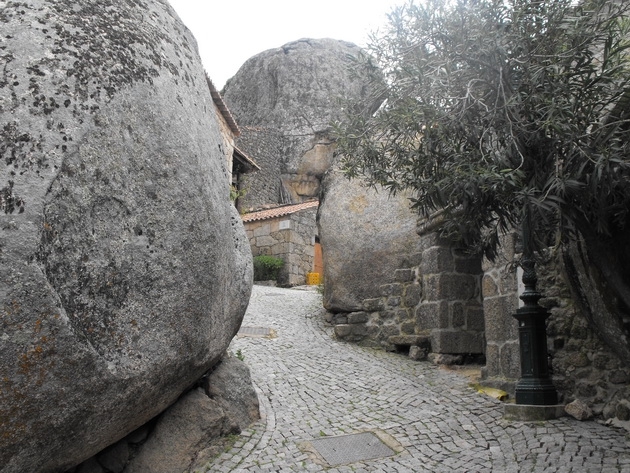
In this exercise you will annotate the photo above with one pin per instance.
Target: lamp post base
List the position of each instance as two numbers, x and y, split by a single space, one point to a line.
536 391
529 413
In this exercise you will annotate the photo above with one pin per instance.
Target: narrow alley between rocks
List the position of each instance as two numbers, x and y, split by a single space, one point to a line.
331 406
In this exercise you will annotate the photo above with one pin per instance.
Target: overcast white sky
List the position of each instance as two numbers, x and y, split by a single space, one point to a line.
231 31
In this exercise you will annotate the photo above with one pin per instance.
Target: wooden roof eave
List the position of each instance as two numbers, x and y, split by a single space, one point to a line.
248 163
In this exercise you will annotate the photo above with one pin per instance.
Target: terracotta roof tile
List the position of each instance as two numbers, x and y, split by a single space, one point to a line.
279 211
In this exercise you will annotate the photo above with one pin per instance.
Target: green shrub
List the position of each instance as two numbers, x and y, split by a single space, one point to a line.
267 268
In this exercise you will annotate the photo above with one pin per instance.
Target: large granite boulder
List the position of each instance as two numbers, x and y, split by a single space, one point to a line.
284 100
124 270
366 235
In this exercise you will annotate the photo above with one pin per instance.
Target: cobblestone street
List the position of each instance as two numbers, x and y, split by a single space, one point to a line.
312 387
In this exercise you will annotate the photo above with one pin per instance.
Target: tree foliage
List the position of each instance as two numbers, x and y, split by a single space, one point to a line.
496 109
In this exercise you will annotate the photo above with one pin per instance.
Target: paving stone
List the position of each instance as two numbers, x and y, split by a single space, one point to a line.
310 383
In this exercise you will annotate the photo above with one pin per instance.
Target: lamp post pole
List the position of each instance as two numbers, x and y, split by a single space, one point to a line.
535 386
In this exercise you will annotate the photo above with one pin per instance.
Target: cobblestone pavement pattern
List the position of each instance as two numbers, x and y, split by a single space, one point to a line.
311 385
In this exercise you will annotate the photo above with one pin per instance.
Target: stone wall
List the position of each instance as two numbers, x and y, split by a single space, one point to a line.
388 320
500 301
291 238
582 366
227 147
435 301
265 145
451 308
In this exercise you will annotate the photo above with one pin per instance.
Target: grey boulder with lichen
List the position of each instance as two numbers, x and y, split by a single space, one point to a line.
124 270
285 100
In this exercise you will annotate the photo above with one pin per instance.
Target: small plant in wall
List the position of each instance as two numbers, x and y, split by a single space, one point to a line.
267 268
236 193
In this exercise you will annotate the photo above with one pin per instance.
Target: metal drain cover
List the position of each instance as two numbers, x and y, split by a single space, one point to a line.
255 332
351 448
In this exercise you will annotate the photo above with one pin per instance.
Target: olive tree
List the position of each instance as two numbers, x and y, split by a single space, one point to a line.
499 112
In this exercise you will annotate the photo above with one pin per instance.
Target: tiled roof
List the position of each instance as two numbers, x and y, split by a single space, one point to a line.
279 211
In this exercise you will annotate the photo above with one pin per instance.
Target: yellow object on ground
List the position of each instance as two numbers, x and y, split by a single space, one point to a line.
313 279
492 392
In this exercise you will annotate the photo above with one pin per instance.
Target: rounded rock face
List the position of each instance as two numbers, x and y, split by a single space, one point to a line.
285 100
366 235
124 269
296 86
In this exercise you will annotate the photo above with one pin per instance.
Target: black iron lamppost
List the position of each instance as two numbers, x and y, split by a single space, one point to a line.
535 386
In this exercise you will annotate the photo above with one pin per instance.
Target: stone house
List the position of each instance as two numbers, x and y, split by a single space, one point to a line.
288 232
238 163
